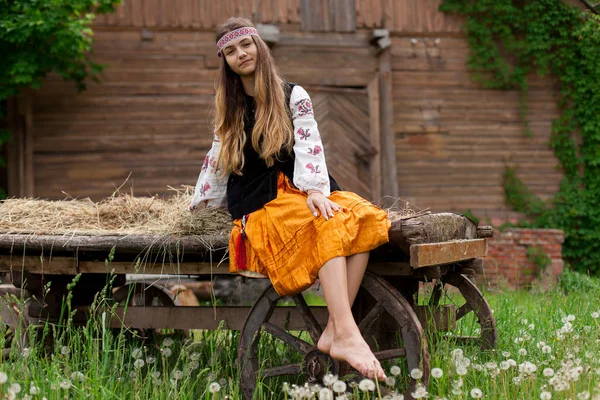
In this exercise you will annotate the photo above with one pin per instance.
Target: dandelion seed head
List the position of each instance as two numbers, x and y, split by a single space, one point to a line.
329 379
195 356
366 385
214 387
150 360
548 372
583 395
64 350
546 349
137 353
155 374
222 382
167 342
505 354
77 376
420 392
517 380
596 315
390 381
522 352
325 394
33 390
476 393
461 370
139 363
416 373
65 384
437 373
178 374
545 396
166 352
339 386
3 377
395 370
14 388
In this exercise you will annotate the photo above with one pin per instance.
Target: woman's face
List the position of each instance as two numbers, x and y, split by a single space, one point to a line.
240 54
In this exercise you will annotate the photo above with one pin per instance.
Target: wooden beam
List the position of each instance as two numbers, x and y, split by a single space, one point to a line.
212 318
422 255
389 182
375 128
20 148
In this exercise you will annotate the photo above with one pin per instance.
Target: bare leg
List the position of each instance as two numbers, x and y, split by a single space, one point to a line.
348 344
355 270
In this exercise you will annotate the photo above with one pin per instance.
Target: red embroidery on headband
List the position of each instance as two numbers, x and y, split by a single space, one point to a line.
248 30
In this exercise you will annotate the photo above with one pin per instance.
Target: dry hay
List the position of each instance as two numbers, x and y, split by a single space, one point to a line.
125 214
120 214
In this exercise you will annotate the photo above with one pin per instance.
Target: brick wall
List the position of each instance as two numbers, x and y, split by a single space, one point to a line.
508 264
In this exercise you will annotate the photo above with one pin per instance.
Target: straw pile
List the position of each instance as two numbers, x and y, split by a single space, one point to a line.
121 214
124 214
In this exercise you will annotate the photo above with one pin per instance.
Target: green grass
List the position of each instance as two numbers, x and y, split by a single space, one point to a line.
93 362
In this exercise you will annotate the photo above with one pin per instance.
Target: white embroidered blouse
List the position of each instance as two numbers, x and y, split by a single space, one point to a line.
310 169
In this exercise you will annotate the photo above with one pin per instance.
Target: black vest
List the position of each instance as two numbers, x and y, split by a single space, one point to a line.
258 183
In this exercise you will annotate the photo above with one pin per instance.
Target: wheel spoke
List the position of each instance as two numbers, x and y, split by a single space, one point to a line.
390 354
463 310
298 344
292 369
371 316
311 323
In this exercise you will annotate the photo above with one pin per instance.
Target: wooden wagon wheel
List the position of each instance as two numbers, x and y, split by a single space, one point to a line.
458 292
140 294
388 305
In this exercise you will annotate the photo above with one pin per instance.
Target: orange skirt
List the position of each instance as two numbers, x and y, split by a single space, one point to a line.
288 244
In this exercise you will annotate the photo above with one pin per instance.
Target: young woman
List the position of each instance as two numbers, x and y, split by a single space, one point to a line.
291 221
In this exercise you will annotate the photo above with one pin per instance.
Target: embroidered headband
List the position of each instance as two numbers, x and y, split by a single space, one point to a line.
247 30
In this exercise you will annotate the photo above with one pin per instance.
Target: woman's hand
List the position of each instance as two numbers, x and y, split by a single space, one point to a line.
197 206
317 201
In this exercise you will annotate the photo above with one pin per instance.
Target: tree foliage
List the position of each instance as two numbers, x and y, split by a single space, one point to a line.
512 39
42 36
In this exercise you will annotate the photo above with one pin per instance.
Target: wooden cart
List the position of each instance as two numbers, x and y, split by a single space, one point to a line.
392 309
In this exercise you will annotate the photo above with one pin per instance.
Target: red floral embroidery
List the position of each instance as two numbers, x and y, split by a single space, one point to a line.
315 151
204 188
304 107
205 164
303 135
313 169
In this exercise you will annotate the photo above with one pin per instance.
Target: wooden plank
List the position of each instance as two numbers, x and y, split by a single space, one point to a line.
388 144
422 255
206 317
38 264
375 128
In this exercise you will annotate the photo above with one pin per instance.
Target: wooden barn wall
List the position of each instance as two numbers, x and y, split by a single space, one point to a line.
150 115
312 15
454 139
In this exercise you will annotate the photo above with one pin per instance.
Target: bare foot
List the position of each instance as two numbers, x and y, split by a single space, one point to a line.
353 349
324 344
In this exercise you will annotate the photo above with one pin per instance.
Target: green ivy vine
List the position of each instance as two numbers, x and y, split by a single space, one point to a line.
509 40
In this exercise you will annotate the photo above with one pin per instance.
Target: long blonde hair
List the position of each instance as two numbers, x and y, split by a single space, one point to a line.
272 132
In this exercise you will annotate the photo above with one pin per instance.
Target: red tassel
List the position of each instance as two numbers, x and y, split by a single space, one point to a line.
241 252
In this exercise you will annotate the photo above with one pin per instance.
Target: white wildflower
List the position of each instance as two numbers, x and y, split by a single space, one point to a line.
166 352
460 370
214 387
517 380
527 368
476 393
26 352
416 373
34 389
390 381
420 393
457 353
3 377
137 353
329 379
505 354
366 385
583 395
546 349
325 394
548 372
167 342
522 352
77 376
545 396
178 374
64 350
339 386
531 327
596 315
139 363
570 318
150 360
14 388
155 374
395 370
437 373
65 384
